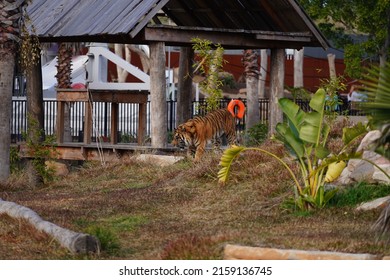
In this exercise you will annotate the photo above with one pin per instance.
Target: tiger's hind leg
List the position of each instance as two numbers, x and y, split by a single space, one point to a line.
231 138
216 142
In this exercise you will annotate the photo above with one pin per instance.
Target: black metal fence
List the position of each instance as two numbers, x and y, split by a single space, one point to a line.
128 118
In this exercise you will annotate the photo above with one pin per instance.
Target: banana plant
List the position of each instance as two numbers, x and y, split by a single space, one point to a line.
305 135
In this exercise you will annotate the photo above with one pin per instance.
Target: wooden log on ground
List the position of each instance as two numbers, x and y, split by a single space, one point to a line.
75 242
236 252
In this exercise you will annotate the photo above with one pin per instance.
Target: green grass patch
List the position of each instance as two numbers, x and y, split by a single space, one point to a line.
108 230
356 194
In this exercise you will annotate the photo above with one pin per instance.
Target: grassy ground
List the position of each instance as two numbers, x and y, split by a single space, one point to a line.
142 211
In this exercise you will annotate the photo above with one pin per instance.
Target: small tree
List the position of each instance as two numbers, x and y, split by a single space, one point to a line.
211 61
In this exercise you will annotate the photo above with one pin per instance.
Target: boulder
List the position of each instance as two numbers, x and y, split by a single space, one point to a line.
360 170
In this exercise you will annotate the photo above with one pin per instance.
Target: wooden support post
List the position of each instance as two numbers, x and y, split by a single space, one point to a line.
298 68
88 122
158 106
276 88
141 123
114 122
263 72
184 88
60 122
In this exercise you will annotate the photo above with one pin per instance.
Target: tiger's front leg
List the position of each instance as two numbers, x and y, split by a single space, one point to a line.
191 150
199 151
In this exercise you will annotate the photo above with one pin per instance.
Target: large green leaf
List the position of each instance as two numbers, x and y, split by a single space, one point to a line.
317 101
311 129
290 139
351 133
312 126
293 113
226 162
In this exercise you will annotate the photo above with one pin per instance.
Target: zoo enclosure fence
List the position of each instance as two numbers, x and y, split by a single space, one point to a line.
128 118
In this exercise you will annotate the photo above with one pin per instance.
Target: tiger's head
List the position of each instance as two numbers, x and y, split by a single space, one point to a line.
183 135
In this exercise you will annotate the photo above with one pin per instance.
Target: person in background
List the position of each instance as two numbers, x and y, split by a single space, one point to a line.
355 96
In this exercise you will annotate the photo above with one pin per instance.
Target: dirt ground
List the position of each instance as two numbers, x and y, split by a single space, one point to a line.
140 210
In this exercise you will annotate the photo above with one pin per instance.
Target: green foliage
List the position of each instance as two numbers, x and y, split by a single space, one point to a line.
14 159
376 83
128 138
361 192
30 47
332 86
108 230
305 136
256 135
109 242
40 149
210 65
339 19
299 93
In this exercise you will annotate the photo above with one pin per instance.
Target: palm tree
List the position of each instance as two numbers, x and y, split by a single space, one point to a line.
377 85
9 38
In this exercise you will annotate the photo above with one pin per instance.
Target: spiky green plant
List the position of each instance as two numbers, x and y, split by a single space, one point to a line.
376 83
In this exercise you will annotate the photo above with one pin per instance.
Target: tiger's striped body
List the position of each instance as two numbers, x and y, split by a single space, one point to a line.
196 132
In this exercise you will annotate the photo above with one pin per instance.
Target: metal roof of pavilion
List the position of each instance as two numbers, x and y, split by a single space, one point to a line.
233 23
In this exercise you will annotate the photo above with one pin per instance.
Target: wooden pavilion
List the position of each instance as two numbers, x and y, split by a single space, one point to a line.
235 24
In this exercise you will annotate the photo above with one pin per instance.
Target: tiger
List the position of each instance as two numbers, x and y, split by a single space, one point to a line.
197 132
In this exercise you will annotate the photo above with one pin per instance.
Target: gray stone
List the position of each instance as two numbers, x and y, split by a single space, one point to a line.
361 170
374 204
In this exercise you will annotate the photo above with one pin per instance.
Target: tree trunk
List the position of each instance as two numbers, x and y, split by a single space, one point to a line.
184 93
121 73
252 83
332 65
35 113
64 80
263 72
144 57
276 88
11 12
298 68
73 241
7 62
158 106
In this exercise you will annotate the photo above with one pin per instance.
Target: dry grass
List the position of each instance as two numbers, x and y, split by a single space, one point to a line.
143 211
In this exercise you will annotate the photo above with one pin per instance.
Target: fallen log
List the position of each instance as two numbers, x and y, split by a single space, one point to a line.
79 243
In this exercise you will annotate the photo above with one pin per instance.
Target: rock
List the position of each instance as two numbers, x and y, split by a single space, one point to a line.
161 160
360 170
374 204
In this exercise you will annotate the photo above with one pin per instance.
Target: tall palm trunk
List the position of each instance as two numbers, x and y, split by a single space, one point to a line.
252 87
11 12
64 81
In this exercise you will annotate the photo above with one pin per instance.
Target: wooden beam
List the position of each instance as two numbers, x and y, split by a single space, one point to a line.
87 122
228 38
142 115
114 123
60 122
